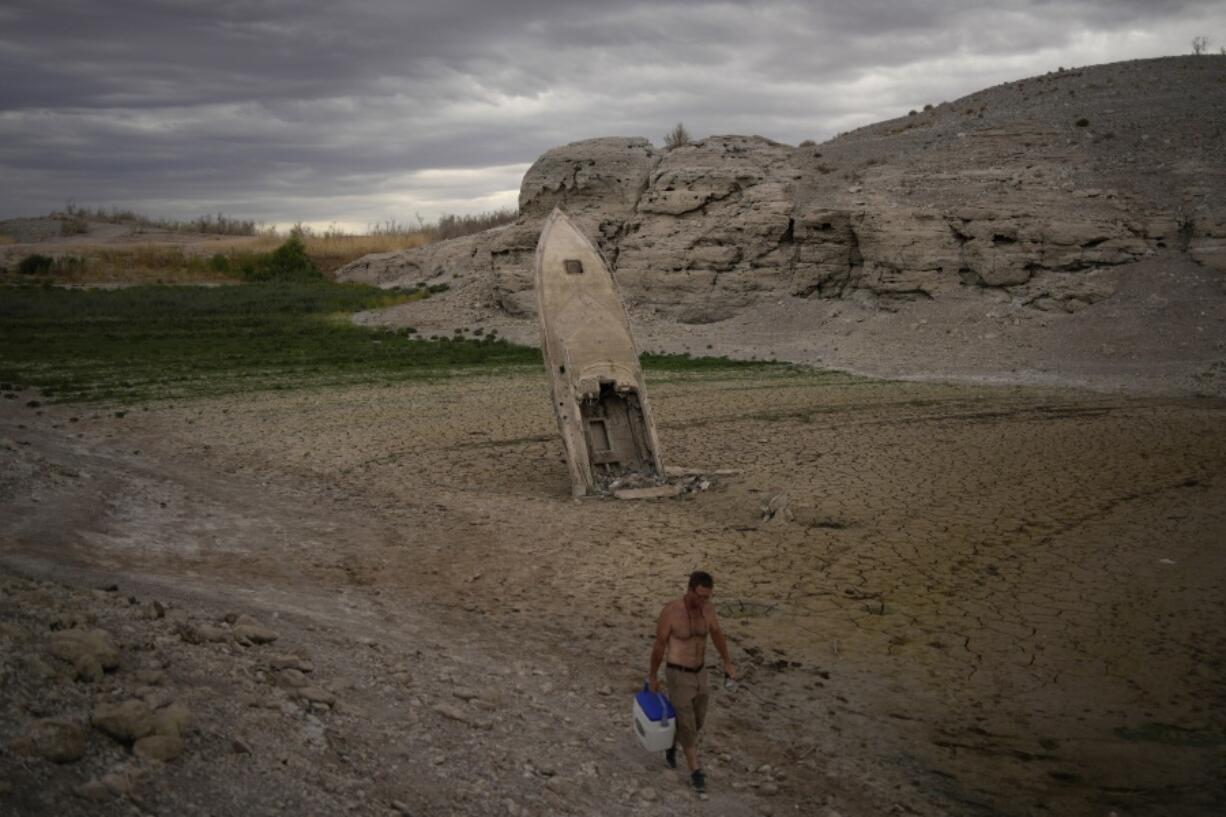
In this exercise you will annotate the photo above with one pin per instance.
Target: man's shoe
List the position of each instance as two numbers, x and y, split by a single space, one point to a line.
670 757
698 780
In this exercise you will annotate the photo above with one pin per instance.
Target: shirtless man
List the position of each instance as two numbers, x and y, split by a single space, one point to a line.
681 633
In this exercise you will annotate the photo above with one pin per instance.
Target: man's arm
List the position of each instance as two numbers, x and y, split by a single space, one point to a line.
721 644
663 628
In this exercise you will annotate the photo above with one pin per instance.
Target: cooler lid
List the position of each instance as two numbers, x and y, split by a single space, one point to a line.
655 706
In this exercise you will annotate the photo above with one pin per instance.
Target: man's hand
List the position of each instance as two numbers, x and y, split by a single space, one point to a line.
729 670
655 684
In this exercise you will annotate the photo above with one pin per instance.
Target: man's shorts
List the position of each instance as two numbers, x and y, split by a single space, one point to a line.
689 694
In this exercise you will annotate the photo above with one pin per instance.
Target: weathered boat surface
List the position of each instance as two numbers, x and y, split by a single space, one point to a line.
595 382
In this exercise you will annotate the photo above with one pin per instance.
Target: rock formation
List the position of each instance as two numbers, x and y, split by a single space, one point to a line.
1034 190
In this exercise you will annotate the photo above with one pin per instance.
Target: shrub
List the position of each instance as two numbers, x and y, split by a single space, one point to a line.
453 226
1199 45
73 226
219 263
289 262
677 137
35 264
68 264
1082 122
221 224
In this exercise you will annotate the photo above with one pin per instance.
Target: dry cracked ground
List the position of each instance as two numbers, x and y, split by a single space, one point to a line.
964 600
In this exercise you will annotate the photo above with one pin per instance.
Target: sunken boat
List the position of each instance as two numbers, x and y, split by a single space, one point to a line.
595 382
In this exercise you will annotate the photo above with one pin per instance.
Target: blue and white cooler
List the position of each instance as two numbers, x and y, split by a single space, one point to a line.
655 720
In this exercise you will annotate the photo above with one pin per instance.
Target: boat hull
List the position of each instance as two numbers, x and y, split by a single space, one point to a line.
596 386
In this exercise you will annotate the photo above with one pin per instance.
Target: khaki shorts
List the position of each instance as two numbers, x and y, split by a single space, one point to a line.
689 694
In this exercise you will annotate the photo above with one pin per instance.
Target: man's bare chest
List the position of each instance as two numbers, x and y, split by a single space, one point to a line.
687 625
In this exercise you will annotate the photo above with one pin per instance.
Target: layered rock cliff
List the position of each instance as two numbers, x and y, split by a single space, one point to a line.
1033 190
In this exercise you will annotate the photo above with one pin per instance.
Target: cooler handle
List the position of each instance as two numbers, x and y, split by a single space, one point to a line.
661 696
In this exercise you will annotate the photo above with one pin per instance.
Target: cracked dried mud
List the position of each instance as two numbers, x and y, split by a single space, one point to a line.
966 600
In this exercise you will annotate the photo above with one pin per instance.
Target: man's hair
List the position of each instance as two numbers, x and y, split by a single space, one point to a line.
701 578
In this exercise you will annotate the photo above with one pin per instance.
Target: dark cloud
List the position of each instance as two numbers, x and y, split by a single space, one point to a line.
310 110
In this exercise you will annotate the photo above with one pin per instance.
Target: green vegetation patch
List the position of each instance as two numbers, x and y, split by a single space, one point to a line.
288 262
686 363
739 374
152 342
292 331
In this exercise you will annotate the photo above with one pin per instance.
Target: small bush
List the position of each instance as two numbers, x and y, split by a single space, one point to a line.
434 289
219 263
68 265
677 137
289 262
221 224
74 226
35 264
453 226
1082 122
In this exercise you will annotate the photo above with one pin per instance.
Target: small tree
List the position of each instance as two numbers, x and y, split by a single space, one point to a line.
1199 44
677 137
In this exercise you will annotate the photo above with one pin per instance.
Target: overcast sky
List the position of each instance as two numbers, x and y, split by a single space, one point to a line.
355 113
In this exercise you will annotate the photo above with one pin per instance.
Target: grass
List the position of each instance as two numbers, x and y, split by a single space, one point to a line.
159 262
154 342
237 242
220 224
331 251
159 342
216 262
134 264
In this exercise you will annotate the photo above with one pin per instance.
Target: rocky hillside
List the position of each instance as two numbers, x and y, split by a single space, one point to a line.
1033 188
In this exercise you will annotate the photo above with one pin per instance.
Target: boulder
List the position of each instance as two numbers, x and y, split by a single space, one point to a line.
89 651
173 719
127 721
163 748
248 629
54 739
316 694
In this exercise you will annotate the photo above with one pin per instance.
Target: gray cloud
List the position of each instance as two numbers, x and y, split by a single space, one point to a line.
331 112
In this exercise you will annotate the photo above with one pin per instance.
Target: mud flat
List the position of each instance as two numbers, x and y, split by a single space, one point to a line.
943 600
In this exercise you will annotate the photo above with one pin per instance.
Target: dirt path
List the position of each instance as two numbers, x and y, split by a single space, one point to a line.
972 600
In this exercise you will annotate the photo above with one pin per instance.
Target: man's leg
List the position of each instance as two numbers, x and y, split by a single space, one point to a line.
701 701
682 689
699 707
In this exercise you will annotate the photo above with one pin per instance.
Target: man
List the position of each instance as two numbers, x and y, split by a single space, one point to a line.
681 634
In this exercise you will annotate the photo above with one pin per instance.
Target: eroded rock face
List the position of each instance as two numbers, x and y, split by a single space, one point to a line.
1002 192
